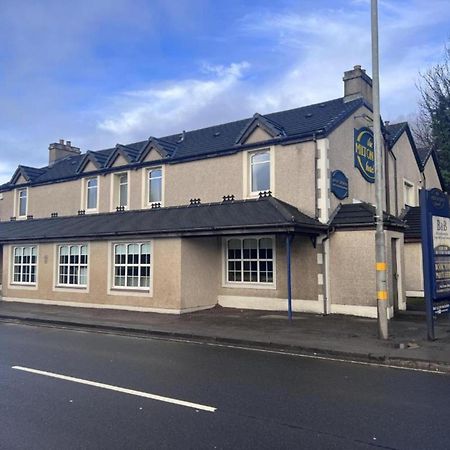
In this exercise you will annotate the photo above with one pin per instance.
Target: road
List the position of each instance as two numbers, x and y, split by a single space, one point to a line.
256 400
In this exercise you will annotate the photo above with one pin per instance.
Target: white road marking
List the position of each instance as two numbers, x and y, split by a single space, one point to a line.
118 389
302 355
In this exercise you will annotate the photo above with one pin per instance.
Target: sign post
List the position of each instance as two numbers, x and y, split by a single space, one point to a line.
435 228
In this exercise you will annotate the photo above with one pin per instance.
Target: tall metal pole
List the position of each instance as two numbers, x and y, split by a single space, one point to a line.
380 247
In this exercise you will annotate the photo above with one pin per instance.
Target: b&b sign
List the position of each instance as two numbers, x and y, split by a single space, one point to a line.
435 229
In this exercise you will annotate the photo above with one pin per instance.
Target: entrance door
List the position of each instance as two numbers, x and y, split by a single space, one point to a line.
395 275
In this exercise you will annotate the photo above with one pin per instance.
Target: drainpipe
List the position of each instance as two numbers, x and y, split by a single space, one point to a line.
289 239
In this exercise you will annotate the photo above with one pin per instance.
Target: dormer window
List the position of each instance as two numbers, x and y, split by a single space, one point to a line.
22 202
155 178
120 190
91 193
259 171
123 189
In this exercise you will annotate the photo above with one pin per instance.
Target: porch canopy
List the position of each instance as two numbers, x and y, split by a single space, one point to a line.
262 215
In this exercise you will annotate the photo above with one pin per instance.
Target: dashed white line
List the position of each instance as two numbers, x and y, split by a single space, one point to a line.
159 398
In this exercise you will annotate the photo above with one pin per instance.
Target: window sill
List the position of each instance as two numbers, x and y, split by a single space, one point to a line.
130 289
249 285
71 286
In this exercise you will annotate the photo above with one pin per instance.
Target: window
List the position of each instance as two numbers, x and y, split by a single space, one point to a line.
250 260
120 189
259 171
408 192
91 193
24 265
22 200
132 265
155 186
73 265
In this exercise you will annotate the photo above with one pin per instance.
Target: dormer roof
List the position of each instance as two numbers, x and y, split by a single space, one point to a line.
165 148
30 174
272 128
98 159
130 154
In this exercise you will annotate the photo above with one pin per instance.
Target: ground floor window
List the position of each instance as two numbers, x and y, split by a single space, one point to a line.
250 260
72 265
132 265
24 265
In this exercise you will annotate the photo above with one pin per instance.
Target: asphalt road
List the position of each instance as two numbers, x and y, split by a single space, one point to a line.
256 399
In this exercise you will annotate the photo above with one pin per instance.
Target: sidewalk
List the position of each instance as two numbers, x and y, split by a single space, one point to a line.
340 336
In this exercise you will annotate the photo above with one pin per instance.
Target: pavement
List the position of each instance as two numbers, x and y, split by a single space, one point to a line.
335 336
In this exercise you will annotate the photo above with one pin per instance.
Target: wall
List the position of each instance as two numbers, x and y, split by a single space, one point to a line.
166 287
200 271
305 271
407 168
341 157
431 176
413 269
352 270
208 179
400 269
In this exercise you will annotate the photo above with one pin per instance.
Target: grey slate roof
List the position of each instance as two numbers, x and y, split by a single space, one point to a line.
244 216
412 220
299 123
356 215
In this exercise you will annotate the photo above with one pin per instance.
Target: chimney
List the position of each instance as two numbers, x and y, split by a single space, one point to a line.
357 84
61 149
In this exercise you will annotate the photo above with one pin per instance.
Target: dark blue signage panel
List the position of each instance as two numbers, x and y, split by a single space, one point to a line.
435 229
339 184
364 153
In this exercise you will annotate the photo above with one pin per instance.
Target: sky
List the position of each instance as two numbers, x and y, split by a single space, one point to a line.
102 72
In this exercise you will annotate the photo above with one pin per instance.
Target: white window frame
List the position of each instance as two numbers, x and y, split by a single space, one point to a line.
84 205
17 200
29 265
113 265
58 283
115 190
249 284
146 186
409 185
247 169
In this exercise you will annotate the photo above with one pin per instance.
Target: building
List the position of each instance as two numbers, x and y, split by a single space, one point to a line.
244 214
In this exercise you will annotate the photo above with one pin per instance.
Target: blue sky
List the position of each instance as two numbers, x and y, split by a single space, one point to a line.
101 72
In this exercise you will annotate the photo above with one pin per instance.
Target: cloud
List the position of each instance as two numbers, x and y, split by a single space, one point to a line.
111 71
173 105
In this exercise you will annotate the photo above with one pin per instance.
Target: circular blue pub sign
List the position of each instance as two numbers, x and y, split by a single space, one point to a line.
339 184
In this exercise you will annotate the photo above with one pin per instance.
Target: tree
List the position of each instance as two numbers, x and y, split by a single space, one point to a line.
432 129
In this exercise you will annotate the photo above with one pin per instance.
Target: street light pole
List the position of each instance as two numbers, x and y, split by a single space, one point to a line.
380 247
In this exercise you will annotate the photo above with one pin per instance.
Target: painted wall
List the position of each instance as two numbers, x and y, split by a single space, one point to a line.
399 242
407 169
207 179
305 271
413 269
166 279
431 176
341 157
352 268
200 271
